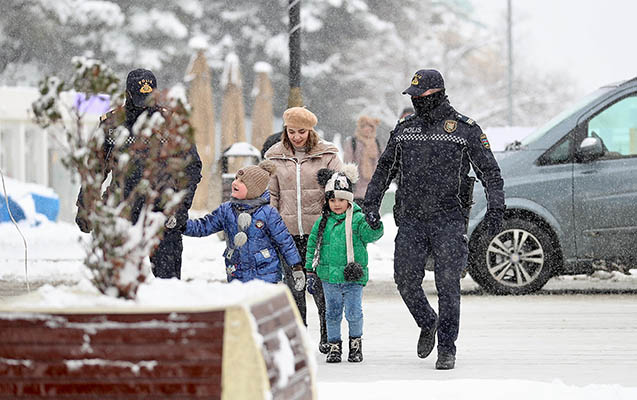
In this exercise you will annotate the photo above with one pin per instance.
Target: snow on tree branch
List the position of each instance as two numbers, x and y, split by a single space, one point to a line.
123 233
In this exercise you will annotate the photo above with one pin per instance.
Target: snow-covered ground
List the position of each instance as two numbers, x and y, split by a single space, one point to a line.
491 365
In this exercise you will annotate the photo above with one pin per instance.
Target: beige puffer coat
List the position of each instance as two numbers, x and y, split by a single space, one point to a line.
294 189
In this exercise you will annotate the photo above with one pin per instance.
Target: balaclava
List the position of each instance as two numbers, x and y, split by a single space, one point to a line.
140 84
425 105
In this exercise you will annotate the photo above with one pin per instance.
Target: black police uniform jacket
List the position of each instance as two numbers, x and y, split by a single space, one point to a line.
430 156
109 122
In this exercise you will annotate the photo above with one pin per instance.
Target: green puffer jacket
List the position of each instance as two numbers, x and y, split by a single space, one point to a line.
334 248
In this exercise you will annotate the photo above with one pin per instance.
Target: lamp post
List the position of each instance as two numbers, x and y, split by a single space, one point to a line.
295 99
510 51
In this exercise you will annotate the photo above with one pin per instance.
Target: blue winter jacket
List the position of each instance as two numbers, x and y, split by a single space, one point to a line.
267 233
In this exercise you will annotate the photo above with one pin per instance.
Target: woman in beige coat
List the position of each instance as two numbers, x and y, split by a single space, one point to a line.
296 194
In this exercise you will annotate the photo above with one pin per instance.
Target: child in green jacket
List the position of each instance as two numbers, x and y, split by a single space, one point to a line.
337 253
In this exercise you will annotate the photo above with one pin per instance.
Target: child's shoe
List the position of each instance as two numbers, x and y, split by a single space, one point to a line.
324 347
334 355
355 349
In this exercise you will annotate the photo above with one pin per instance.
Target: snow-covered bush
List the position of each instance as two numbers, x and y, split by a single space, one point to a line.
118 250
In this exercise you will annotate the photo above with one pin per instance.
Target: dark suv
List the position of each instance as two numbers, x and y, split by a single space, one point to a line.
571 197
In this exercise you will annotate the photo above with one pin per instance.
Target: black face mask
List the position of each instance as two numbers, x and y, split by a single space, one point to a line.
425 105
132 112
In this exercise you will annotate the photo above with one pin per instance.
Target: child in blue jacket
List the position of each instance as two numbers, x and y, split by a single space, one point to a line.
253 229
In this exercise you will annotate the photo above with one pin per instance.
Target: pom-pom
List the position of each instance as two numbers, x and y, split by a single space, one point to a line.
351 171
353 271
243 221
240 239
324 175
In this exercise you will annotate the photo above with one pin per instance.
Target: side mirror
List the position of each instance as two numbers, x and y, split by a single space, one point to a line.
591 148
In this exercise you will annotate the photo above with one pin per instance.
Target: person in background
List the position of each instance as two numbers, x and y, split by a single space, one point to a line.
269 142
166 258
363 149
298 197
431 152
337 253
253 229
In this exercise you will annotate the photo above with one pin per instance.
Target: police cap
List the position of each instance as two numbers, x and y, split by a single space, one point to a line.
424 80
140 83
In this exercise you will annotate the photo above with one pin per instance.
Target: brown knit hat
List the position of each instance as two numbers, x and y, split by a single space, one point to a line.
299 117
256 178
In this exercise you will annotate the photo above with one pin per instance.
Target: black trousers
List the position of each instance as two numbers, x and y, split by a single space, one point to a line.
299 296
442 236
166 259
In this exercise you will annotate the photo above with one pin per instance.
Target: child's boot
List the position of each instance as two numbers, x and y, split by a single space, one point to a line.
355 349
334 355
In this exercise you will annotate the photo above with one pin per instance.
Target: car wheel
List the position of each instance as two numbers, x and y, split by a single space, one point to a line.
518 260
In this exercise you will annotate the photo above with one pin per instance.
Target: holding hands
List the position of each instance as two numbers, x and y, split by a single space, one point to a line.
311 281
373 219
299 278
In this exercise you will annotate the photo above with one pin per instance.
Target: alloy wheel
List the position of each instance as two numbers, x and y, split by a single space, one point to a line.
515 257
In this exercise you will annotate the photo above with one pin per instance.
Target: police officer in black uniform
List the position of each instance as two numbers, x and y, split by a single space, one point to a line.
430 153
166 259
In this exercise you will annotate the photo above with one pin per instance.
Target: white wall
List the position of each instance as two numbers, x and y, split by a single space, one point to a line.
29 153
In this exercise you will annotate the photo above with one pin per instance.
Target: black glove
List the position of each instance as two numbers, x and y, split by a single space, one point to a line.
311 281
83 224
493 221
353 272
373 219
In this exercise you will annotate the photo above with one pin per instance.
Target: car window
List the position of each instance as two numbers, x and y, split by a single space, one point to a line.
616 126
559 154
541 131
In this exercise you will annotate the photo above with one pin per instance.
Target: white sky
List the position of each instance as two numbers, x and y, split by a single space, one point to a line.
593 39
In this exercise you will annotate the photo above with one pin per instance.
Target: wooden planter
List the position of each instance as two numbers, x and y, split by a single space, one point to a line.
247 351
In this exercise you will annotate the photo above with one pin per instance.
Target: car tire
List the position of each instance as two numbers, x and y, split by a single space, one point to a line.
518 260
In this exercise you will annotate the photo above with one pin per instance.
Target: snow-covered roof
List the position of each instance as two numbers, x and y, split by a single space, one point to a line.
242 149
198 43
231 73
262 66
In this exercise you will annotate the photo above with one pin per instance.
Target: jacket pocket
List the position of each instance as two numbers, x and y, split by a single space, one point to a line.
267 261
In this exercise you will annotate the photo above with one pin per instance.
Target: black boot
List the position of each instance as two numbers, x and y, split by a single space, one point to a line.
427 340
334 355
355 349
324 347
446 361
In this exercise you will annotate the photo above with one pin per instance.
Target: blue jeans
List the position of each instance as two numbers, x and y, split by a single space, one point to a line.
337 296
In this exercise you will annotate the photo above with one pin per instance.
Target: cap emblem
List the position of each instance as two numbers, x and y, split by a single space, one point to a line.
415 81
146 88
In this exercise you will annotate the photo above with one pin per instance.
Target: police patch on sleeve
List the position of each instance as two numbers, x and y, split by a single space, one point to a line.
450 126
485 141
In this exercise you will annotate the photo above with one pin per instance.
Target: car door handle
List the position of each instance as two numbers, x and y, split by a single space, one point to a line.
590 171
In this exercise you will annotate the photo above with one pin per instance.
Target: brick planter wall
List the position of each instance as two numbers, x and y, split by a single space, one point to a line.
200 354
